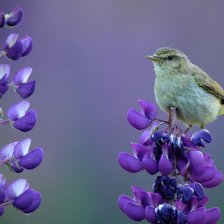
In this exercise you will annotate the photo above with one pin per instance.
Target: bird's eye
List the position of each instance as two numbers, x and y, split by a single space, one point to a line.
170 57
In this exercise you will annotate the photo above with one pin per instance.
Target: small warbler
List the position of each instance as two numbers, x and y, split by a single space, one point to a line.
198 99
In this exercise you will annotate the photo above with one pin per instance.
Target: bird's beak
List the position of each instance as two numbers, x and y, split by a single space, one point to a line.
153 58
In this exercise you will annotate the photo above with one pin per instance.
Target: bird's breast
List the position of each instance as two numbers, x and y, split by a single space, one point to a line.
194 105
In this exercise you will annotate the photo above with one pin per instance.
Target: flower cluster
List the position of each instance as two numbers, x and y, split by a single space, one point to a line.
183 171
16 155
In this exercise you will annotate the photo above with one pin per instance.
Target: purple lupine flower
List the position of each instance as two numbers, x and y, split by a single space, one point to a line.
2 19
200 137
199 166
141 120
173 153
165 186
166 213
4 78
15 48
196 212
135 208
17 156
153 208
22 196
21 84
186 193
21 117
14 17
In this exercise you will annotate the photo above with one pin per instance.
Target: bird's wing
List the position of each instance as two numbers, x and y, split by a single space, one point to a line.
207 83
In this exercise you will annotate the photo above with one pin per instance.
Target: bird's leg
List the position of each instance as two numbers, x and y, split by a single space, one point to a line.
172 119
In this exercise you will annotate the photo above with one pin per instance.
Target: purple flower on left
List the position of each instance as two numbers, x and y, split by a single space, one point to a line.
16 155
21 117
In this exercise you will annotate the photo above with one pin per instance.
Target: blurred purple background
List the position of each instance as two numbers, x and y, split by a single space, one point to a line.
88 60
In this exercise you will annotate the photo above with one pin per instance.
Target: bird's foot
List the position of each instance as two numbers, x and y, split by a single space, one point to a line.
188 129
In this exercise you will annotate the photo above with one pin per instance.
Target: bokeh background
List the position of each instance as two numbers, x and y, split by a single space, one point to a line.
88 60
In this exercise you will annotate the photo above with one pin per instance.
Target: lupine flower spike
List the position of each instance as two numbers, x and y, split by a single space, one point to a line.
16 155
183 170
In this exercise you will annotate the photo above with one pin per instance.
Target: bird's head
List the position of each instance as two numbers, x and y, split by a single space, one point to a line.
169 60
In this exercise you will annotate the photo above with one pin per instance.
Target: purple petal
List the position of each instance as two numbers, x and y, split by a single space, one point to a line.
2 195
182 166
123 200
150 109
150 214
2 180
26 89
196 162
188 193
18 110
15 167
165 165
14 17
137 120
141 196
198 190
212 215
22 148
32 159
3 85
187 142
200 137
129 162
6 152
215 181
156 199
15 52
145 138
134 211
2 19
1 211
139 150
16 188
208 160
201 203
4 71
24 200
22 76
27 45
11 41
207 175
35 203
27 122
196 216
150 165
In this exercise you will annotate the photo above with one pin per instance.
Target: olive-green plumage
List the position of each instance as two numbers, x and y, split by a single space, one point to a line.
181 84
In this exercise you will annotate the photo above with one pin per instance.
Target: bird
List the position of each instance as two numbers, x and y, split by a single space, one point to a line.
180 84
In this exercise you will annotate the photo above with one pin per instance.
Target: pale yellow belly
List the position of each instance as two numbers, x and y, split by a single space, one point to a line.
194 105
